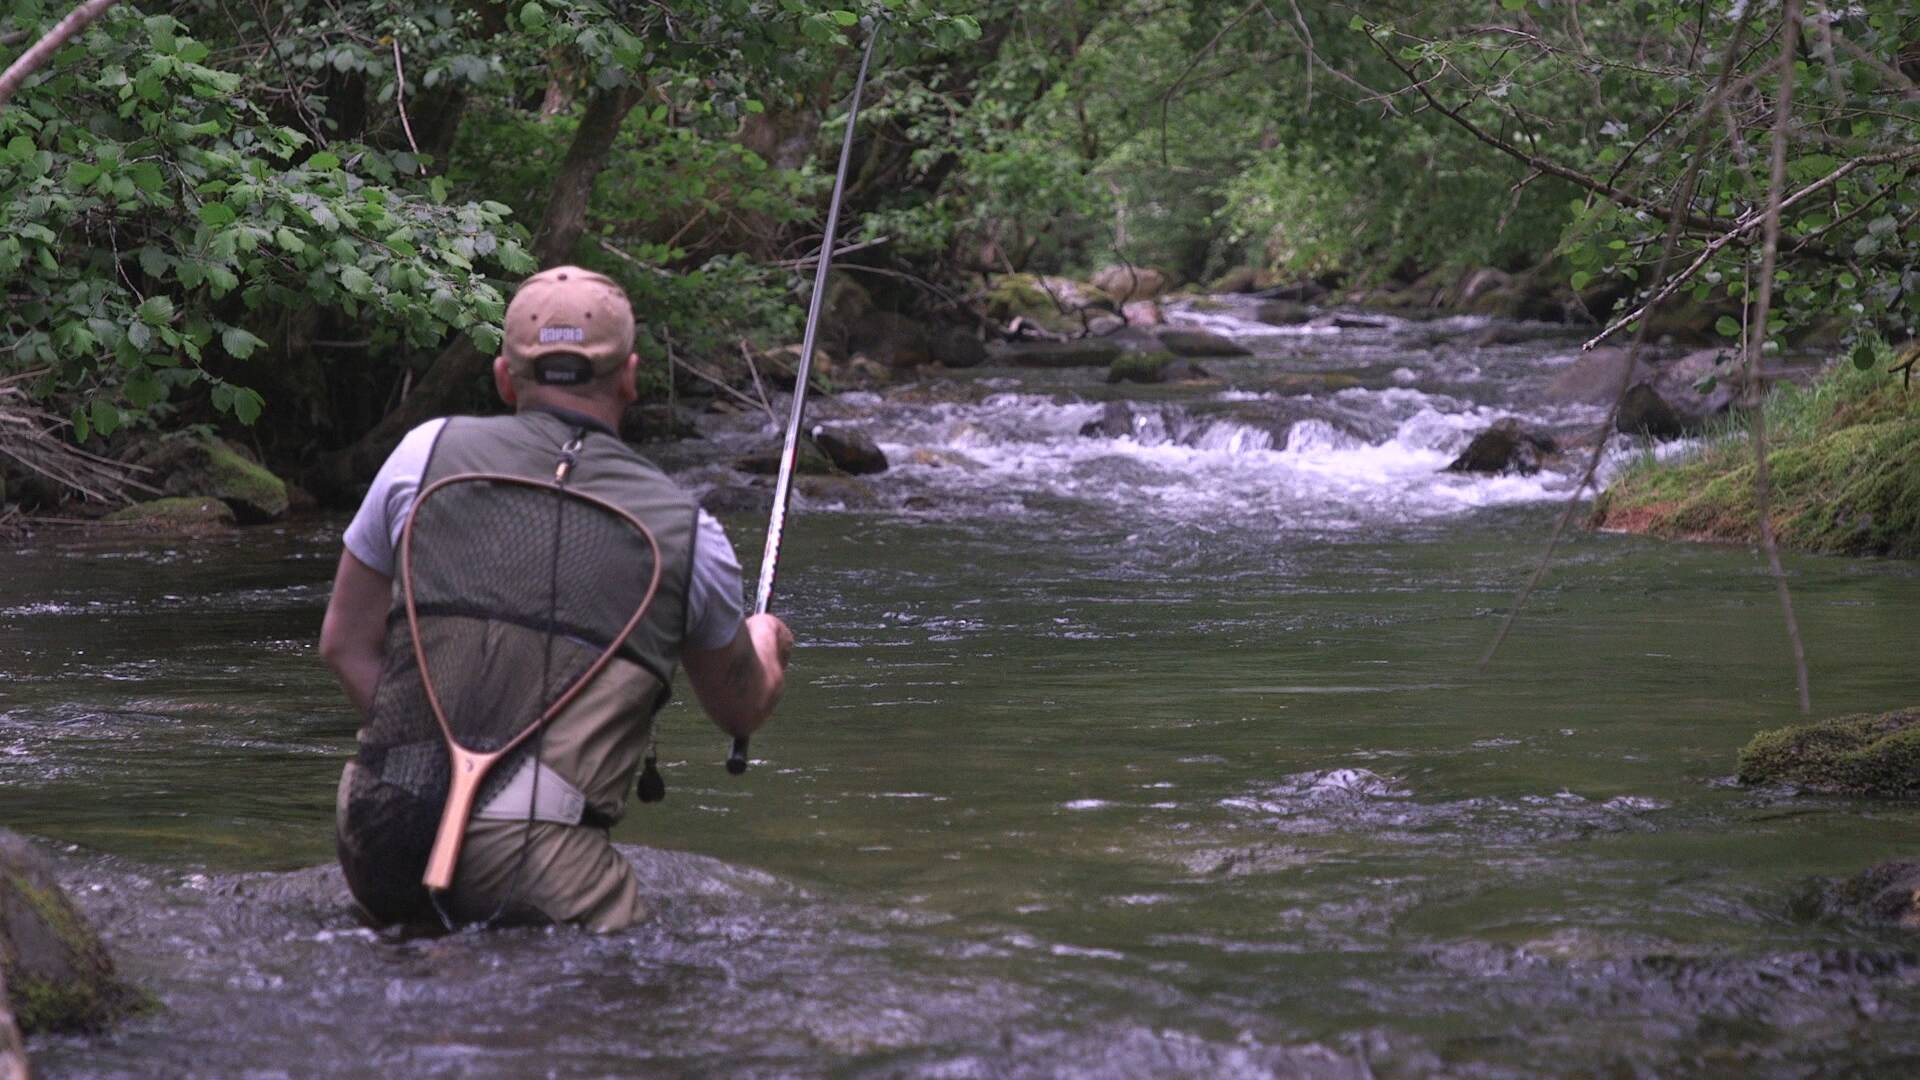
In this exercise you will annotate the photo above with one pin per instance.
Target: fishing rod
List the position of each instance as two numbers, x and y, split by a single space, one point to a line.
783 486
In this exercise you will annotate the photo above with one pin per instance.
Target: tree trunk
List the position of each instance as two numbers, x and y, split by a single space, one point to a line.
452 379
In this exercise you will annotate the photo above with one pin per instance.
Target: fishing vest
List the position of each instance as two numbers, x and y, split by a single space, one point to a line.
393 793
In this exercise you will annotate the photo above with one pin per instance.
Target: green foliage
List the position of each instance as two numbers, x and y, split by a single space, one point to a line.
155 221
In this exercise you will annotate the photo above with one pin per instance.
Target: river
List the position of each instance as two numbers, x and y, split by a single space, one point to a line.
1156 755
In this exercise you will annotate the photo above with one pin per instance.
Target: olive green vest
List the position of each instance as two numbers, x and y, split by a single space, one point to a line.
597 742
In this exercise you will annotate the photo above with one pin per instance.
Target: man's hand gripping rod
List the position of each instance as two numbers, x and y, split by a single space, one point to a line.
783 486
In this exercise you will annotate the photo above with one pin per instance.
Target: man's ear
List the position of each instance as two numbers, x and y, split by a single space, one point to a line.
627 381
503 381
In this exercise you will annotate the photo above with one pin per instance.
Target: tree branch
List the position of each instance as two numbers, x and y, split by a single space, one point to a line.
42 50
1756 344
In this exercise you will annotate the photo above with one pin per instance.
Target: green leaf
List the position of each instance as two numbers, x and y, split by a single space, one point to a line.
1581 279
246 405
323 161
155 310
845 18
81 173
1863 356
238 342
144 391
1727 326
356 281
146 176
1513 5
533 16
217 214
106 416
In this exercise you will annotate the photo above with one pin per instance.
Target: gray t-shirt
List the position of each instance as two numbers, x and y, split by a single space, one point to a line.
714 607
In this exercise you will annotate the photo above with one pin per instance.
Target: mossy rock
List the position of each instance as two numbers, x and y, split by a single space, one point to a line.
1867 754
1052 303
58 974
183 513
1149 367
198 465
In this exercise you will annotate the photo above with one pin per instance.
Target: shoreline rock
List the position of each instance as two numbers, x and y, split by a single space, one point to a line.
1866 754
57 973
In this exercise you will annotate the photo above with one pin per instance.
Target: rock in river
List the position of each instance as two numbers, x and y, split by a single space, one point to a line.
851 450
1864 754
191 465
1200 343
58 976
1506 447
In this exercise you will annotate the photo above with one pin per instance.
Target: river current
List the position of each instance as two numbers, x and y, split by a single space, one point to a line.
1157 750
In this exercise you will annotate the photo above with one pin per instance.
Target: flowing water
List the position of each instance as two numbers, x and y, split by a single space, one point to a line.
1153 752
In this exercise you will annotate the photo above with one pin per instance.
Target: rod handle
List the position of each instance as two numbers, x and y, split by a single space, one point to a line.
737 758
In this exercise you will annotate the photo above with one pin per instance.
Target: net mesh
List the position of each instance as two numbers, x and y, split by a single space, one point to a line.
518 589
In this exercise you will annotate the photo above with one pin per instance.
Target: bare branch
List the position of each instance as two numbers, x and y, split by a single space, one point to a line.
41 51
1756 344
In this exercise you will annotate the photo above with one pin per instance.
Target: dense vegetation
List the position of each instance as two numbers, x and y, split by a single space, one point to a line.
1845 474
301 217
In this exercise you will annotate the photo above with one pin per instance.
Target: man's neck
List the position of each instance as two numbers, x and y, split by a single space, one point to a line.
605 413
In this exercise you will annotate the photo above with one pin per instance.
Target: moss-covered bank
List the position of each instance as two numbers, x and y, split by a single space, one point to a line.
1867 754
1845 457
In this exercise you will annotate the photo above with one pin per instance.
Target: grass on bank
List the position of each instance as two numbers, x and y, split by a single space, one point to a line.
1845 462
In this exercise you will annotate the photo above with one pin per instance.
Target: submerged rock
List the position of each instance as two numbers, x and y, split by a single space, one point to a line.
1506 447
214 467
1865 754
851 450
58 975
1200 343
1887 893
1116 421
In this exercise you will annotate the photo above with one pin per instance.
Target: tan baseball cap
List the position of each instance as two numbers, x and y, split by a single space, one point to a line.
568 311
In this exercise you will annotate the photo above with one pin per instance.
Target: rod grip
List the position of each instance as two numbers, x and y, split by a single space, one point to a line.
737 758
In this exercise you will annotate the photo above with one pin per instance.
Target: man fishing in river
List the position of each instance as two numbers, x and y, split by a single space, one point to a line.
534 846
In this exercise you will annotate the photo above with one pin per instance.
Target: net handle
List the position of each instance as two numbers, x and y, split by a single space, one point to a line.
470 767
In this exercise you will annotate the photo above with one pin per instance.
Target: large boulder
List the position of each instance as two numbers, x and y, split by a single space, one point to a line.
1505 447
896 340
1241 279
1681 395
956 347
1644 412
1124 283
850 449
1144 313
1200 343
200 465
1864 754
58 974
809 461
1055 305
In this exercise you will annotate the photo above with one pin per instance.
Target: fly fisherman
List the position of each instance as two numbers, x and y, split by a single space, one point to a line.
536 848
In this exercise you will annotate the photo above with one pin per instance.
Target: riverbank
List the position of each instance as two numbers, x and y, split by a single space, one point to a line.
1845 469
